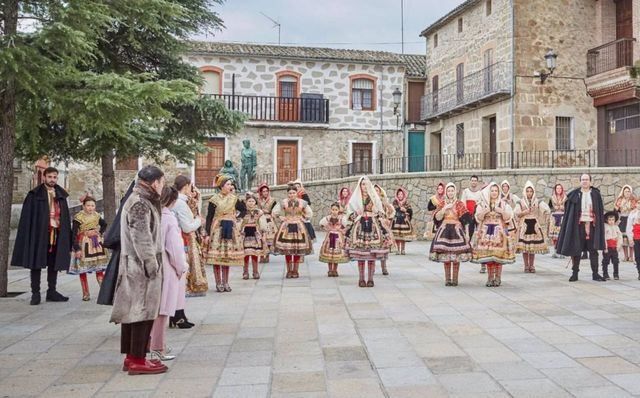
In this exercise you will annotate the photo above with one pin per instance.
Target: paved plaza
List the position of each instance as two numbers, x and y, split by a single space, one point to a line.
409 336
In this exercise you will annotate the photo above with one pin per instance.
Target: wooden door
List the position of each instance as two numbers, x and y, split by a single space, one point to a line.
362 155
624 30
493 145
416 91
435 152
208 164
288 101
287 161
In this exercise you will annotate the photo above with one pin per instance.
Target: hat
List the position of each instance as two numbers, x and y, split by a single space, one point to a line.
221 179
611 213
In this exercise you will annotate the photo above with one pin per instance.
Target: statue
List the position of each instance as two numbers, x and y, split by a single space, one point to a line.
249 161
229 170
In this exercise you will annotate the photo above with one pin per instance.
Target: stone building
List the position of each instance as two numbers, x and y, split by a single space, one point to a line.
490 100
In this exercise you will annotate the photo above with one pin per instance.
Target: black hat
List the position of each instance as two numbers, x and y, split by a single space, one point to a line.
611 213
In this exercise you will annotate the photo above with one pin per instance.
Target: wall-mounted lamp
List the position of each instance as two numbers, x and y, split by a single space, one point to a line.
550 59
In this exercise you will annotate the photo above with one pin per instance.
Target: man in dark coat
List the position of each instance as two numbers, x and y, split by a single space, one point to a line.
44 235
582 227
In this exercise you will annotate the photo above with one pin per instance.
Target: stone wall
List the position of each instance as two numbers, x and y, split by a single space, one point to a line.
422 185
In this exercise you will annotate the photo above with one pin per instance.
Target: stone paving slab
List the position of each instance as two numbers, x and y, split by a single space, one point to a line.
536 336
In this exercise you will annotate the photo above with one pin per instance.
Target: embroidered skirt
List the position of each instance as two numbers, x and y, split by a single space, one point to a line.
491 243
450 244
270 230
531 238
332 249
293 238
555 224
368 240
225 245
254 244
94 256
402 228
197 284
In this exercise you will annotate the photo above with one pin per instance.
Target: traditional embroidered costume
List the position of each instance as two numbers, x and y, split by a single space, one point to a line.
87 233
624 204
254 243
435 201
343 198
332 250
187 211
613 241
556 205
450 243
266 204
367 238
512 200
293 239
402 227
532 216
491 243
386 221
302 194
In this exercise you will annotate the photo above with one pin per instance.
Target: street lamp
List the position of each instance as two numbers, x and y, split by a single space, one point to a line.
550 60
397 98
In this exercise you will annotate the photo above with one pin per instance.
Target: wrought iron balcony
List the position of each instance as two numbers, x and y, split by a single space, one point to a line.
310 108
485 86
610 56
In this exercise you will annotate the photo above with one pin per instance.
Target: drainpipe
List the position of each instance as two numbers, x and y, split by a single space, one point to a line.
513 78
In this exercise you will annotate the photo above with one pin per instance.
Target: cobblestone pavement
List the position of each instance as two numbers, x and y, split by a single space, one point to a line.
409 336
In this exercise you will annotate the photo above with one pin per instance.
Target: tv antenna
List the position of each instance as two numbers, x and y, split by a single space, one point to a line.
275 24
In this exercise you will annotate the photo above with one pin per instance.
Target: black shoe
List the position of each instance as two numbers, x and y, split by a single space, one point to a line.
35 299
56 296
598 278
182 324
606 277
573 278
585 256
616 277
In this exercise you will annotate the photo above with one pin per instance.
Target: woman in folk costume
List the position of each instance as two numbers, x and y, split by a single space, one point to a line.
532 216
625 202
491 243
254 242
302 194
292 238
90 256
266 203
332 250
512 200
367 238
556 205
390 212
343 198
197 275
450 244
225 242
435 202
401 227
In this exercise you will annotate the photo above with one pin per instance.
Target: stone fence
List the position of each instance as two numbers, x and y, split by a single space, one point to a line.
422 185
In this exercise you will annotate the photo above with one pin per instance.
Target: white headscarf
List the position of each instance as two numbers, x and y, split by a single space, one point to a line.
355 203
486 193
524 199
455 192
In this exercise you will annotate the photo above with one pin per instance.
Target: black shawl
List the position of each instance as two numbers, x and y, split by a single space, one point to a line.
568 239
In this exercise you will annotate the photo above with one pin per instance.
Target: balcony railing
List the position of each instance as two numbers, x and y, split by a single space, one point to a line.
610 56
484 86
468 161
304 109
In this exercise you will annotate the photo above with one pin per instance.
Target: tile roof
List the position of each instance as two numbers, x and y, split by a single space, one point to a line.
415 65
449 16
291 52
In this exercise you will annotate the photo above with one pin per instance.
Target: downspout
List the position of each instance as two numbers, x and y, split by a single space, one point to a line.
513 78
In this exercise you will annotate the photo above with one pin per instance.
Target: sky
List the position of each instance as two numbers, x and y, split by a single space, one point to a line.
356 24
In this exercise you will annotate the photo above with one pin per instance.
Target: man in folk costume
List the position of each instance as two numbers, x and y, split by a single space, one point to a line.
471 197
44 236
582 227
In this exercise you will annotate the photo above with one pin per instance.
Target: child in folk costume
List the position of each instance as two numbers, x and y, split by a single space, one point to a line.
532 216
633 232
613 243
266 203
343 198
512 200
225 243
90 255
434 203
390 212
302 194
332 250
173 270
450 244
556 205
491 243
367 238
254 241
625 202
292 238
402 227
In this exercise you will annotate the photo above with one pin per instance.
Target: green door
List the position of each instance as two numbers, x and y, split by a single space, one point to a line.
416 151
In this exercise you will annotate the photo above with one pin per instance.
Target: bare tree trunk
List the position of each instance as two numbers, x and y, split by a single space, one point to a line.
108 186
7 148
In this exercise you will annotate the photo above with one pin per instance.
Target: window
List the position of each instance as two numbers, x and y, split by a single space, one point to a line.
129 164
212 80
460 139
362 155
363 94
434 92
488 7
624 118
460 83
460 25
564 133
435 40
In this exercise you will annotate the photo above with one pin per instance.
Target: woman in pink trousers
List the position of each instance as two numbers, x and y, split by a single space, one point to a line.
173 266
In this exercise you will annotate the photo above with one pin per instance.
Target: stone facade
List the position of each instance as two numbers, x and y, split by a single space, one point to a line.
422 185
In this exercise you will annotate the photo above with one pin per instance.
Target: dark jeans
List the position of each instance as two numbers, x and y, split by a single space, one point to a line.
610 256
587 246
52 274
134 339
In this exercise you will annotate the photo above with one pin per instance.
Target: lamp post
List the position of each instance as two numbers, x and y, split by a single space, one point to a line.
550 61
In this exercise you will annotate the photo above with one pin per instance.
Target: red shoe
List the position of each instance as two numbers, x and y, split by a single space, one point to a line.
148 368
127 363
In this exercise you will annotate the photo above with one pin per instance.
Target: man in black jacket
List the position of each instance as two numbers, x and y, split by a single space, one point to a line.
582 227
44 235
